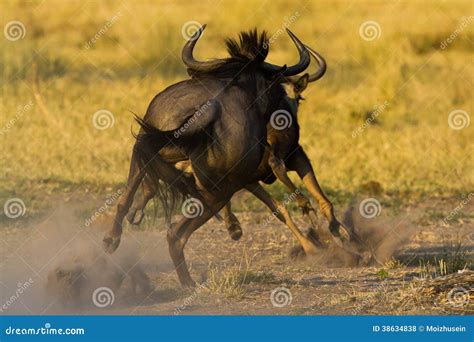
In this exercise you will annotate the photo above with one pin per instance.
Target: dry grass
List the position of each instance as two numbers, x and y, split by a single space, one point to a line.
409 149
227 282
230 281
448 294
455 258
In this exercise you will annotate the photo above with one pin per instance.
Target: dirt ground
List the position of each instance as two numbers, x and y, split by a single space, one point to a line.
252 276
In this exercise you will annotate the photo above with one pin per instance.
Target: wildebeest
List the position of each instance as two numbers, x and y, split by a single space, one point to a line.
225 145
283 153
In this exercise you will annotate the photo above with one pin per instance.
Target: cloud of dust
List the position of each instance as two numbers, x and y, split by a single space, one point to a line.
59 267
381 236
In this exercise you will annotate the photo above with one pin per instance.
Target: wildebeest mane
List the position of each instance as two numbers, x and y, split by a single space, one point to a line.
246 52
251 47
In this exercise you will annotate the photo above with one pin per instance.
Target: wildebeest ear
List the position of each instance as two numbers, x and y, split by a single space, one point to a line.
302 83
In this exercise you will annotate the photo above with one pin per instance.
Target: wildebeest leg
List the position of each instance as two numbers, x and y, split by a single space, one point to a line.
280 171
136 212
300 163
179 234
232 223
135 176
283 215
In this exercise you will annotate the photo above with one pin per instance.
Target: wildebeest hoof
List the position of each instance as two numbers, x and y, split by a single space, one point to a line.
339 230
235 231
135 217
110 243
297 253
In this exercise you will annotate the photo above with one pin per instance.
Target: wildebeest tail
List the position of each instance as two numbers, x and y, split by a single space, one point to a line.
170 184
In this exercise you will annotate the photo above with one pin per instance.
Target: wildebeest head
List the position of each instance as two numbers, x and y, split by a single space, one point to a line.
246 65
295 85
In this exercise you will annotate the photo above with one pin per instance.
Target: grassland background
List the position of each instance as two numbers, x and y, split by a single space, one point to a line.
409 150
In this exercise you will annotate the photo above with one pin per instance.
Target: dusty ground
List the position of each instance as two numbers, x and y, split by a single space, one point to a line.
239 277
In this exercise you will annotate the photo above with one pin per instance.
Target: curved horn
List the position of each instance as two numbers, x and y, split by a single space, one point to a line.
294 69
188 58
322 65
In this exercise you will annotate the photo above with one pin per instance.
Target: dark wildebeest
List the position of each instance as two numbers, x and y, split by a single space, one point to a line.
284 153
225 144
